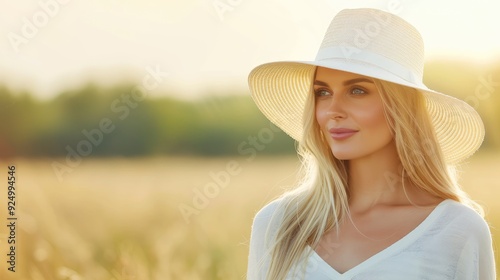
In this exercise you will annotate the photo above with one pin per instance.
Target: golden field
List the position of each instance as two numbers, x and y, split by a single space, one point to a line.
160 218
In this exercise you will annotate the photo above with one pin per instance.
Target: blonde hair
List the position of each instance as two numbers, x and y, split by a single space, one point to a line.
320 202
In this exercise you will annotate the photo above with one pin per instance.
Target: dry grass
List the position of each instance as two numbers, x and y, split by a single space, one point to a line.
120 218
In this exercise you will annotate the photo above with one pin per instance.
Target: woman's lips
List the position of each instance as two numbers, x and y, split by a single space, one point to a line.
341 133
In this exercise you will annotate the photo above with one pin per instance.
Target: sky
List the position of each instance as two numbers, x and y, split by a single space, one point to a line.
204 46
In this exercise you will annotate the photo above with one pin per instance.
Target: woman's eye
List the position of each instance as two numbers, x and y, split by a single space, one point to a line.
322 92
358 91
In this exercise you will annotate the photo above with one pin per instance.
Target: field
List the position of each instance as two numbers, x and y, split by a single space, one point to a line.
159 218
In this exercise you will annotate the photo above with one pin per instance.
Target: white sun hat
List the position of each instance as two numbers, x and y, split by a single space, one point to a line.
371 43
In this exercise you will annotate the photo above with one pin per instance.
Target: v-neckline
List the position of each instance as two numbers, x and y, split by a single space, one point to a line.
399 245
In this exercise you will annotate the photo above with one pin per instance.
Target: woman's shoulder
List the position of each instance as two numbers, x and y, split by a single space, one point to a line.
271 213
469 231
264 230
460 217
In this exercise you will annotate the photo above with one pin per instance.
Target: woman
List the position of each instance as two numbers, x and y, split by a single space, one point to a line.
379 198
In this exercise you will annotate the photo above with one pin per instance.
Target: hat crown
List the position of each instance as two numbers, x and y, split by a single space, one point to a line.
378 38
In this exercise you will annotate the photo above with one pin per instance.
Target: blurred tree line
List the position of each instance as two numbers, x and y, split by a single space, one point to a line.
99 121
109 122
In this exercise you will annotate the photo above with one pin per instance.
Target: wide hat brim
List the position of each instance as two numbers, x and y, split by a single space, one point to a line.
280 90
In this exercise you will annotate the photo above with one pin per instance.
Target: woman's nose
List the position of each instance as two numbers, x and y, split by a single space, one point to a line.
336 108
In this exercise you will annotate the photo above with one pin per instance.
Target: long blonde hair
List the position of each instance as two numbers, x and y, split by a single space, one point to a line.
320 202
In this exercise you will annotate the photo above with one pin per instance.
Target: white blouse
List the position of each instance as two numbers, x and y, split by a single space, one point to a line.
453 242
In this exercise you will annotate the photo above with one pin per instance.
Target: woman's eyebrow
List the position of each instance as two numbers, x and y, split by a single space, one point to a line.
320 83
357 80
345 83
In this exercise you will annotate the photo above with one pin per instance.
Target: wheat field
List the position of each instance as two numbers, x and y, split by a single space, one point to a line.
160 218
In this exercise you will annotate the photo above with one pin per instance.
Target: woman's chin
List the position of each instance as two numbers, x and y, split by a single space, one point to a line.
343 155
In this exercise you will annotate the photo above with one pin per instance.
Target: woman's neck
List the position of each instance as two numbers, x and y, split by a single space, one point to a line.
375 180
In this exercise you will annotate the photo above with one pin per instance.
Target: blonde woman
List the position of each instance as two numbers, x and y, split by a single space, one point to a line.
379 199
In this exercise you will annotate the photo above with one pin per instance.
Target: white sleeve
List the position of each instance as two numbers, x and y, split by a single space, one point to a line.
265 222
486 255
477 258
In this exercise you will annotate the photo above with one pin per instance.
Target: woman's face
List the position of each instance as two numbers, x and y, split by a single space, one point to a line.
350 113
